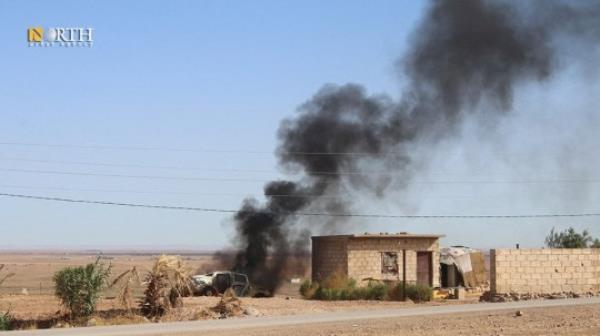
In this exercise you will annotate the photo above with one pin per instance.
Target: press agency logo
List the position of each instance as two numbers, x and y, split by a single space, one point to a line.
61 37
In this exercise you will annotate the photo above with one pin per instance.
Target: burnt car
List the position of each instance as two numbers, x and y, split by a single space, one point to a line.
217 282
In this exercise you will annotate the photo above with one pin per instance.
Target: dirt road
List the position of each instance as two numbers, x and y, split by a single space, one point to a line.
295 324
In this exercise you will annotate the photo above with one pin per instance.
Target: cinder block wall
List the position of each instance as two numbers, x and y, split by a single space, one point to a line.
329 256
364 257
544 271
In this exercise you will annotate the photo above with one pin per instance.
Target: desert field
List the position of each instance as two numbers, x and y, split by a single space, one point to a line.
33 271
29 292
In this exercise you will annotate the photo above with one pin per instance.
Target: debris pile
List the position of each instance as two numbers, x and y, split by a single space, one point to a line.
462 266
510 297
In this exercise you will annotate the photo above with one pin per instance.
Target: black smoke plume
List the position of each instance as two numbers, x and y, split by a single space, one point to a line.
466 58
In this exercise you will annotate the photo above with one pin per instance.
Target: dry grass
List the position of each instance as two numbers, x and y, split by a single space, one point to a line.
165 285
126 282
229 305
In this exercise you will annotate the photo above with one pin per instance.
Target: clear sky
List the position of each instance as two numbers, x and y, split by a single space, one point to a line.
218 77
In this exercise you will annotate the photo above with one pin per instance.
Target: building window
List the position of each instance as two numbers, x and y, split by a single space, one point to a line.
389 263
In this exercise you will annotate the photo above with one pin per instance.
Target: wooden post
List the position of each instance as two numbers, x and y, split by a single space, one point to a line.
403 275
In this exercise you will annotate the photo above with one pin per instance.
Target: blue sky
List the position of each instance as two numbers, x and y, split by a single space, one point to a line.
221 75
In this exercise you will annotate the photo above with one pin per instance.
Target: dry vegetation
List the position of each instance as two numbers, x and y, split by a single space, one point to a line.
28 286
126 282
166 285
157 281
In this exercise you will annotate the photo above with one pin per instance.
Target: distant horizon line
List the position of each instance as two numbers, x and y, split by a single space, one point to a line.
112 249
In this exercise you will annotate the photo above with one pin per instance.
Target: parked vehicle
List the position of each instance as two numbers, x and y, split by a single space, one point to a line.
217 282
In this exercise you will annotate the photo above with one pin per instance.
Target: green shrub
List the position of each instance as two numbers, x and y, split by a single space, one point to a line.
419 293
308 289
333 294
79 288
338 281
376 291
340 288
323 293
346 289
415 292
5 321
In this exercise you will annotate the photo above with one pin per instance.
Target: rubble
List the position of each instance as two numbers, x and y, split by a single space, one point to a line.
249 311
510 297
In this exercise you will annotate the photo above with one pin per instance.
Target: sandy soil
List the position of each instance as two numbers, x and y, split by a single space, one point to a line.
563 321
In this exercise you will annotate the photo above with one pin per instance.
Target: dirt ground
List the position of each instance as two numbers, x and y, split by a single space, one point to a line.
45 306
561 321
572 320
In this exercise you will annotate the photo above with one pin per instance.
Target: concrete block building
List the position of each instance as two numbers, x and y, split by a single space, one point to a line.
414 258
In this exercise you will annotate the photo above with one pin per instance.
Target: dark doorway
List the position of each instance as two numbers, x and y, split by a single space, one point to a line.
424 268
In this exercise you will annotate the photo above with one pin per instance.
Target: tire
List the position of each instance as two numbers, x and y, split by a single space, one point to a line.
209 291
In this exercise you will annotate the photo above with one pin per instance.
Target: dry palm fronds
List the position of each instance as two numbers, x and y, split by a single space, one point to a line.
128 280
165 284
229 305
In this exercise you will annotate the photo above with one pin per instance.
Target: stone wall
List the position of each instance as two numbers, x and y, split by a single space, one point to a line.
544 271
364 257
329 256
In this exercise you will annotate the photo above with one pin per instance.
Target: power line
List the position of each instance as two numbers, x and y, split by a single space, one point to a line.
234 170
319 214
161 192
170 192
156 177
227 179
70 200
203 150
189 150
124 165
